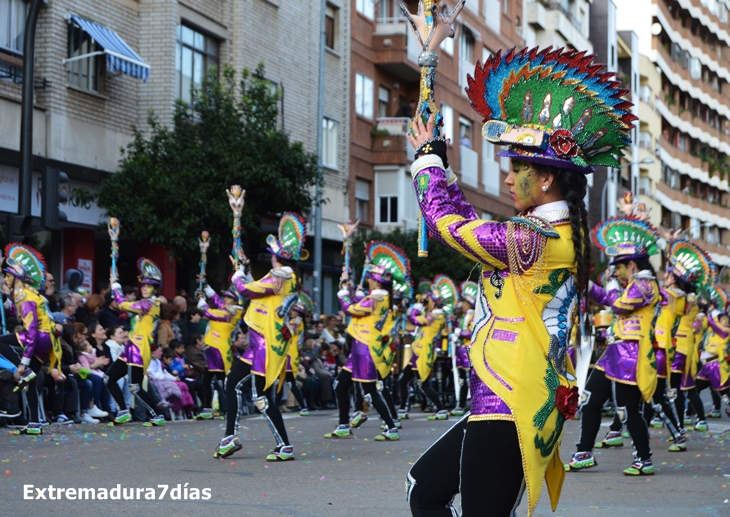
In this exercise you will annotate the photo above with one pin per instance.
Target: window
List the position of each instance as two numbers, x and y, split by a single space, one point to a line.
12 24
384 10
388 209
447 131
84 73
492 15
505 6
329 142
466 45
363 96
383 102
366 8
329 28
465 136
362 200
447 45
196 53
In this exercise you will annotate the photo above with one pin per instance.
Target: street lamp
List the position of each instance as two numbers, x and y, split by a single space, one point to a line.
646 160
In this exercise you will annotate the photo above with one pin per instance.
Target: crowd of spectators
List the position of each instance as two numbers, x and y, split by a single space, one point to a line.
93 334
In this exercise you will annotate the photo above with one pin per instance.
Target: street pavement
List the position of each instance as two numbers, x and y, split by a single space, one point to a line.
337 478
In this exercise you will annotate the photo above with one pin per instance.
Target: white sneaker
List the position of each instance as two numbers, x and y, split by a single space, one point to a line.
86 419
97 413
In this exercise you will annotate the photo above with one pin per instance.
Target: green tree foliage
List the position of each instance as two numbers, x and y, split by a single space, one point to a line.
171 182
440 258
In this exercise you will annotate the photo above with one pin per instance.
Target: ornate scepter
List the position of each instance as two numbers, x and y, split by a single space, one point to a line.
431 29
347 230
235 199
113 226
204 244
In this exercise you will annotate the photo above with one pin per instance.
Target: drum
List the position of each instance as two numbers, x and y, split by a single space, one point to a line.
603 319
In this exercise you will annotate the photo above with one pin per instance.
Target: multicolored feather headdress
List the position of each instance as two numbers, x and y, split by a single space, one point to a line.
469 292
149 273
626 238
552 107
691 263
718 296
290 242
447 291
305 304
386 263
26 264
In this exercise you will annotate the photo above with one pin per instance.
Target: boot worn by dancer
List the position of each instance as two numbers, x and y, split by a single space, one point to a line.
715 413
640 468
440 415
391 435
206 414
32 429
397 423
403 414
281 453
457 411
702 425
122 417
581 461
155 421
228 446
657 422
358 419
612 439
680 444
304 412
341 431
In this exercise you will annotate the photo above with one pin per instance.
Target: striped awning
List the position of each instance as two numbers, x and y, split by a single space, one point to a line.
119 56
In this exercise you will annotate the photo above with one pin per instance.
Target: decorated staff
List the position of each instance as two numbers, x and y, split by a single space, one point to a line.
431 29
114 227
204 244
235 199
347 230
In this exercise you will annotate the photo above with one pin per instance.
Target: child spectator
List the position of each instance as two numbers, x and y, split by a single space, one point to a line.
99 394
163 380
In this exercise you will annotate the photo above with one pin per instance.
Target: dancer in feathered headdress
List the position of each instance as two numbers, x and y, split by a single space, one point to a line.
370 326
135 358
715 372
469 293
223 318
560 116
689 269
629 360
25 272
429 317
269 334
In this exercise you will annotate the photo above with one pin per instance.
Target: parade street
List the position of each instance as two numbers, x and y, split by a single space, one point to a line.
348 477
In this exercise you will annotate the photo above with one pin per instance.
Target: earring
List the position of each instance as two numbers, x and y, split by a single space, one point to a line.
545 188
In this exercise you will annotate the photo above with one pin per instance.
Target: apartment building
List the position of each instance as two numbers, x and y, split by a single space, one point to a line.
384 78
686 42
101 66
558 23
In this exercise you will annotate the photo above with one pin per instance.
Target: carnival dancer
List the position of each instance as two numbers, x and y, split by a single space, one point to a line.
269 336
469 293
223 318
560 116
370 327
715 373
430 321
303 307
627 369
690 268
135 358
25 272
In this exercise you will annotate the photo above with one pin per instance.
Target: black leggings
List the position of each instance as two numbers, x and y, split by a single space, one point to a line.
10 350
208 387
693 396
405 377
292 382
342 388
235 385
119 369
702 384
460 461
660 398
463 387
598 390
387 396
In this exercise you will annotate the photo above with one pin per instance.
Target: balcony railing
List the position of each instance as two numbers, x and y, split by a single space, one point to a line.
557 6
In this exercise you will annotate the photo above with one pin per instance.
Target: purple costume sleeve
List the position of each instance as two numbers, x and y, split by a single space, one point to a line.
356 309
256 289
633 298
216 302
417 318
222 315
29 336
13 310
452 221
719 329
140 307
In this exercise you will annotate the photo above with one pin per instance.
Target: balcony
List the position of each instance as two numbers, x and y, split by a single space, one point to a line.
664 15
396 48
389 143
685 204
695 127
567 26
535 16
469 165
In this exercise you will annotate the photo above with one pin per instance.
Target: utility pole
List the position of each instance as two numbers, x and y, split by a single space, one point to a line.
317 275
21 223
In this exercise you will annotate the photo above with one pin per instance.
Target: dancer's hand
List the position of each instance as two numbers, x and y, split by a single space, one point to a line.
420 133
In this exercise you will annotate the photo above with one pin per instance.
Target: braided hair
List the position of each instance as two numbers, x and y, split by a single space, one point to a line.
573 186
